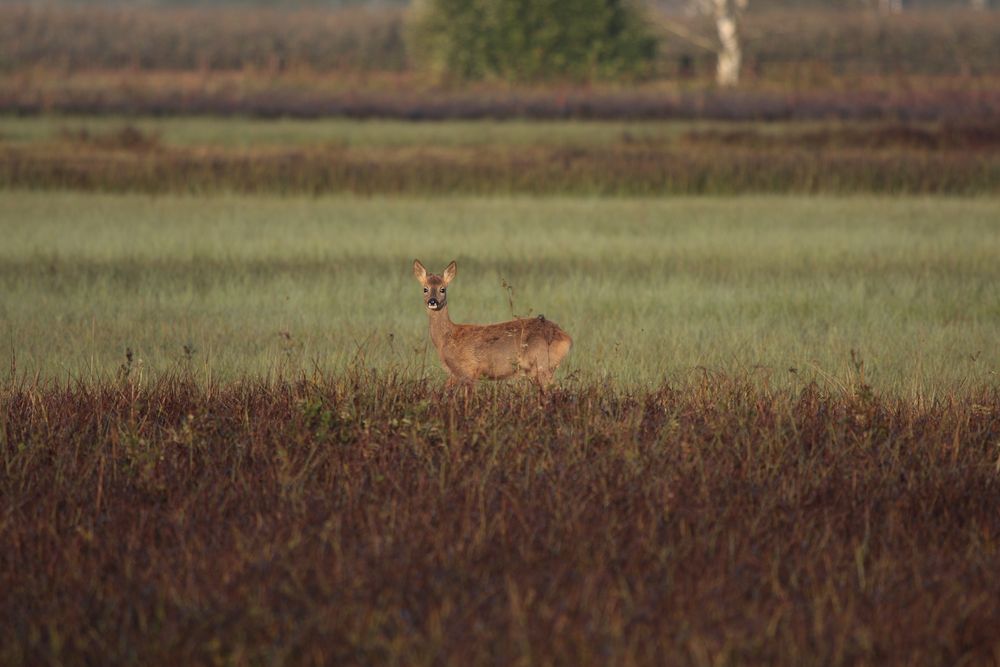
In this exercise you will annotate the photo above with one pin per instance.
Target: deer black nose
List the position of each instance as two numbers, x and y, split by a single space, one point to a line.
432 302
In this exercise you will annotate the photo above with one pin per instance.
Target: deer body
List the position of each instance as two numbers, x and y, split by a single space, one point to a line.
533 347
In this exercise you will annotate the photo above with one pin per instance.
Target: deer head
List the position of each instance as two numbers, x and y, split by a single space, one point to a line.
435 287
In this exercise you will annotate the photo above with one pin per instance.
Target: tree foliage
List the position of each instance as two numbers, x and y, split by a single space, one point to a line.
529 40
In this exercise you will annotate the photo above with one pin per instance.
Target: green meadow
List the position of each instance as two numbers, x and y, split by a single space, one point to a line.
786 289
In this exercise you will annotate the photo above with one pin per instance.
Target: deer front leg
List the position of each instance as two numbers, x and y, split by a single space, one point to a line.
456 375
454 380
457 384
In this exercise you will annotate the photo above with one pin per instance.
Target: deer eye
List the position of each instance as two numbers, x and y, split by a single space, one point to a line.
425 290
442 290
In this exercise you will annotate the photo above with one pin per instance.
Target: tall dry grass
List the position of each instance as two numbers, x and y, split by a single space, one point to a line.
366 519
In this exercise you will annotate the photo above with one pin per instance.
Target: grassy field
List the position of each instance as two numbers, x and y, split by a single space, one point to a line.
247 133
224 437
242 132
651 290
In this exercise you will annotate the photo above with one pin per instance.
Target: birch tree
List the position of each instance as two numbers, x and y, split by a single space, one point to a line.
727 14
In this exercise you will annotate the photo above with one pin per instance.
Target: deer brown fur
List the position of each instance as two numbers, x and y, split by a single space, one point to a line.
532 347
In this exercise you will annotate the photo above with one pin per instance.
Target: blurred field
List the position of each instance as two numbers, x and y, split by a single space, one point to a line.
107 37
796 47
784 288
801 64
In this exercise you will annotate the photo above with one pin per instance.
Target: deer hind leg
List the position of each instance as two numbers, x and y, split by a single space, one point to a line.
544 363
551 357
543 379
539 371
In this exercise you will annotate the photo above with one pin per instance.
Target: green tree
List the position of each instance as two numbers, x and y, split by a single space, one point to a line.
530 40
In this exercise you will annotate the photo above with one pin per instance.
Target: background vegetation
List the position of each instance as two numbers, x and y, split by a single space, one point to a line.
678 6
308 63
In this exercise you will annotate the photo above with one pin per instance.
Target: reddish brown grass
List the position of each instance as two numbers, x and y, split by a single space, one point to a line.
366 519
702 163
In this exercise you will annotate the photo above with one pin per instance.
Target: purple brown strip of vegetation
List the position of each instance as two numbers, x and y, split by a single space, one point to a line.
747 105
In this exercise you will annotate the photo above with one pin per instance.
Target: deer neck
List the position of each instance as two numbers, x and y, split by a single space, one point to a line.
441 326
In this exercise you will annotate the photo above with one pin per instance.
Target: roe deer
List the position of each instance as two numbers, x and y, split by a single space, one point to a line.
528 346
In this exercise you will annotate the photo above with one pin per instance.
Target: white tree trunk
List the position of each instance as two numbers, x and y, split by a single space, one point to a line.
726 13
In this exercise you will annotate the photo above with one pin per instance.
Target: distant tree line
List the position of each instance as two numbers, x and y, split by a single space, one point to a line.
275 4
500 40
534 39
676 5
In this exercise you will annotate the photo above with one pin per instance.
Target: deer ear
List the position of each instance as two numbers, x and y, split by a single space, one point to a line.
449 273
419 272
